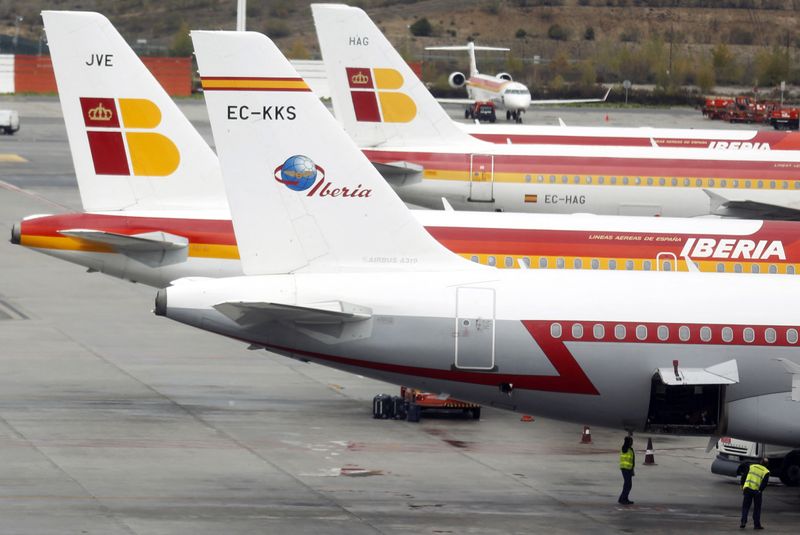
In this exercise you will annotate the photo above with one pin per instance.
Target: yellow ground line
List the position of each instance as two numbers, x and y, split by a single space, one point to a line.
12 158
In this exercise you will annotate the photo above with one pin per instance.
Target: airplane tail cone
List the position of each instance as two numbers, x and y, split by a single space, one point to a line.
586 436
649 457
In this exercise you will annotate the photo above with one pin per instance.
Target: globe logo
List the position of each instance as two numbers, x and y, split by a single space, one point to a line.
297 173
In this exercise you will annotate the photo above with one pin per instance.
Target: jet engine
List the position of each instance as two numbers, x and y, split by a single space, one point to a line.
457 80
504 76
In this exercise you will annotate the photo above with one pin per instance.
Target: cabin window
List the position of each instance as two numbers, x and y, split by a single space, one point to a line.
555 330
686 182
540 179
785 185
662 332
613 180
552 179
791 336
749 335
684 333
649 181
662 181
508 261
641 332
619 332
560 263
735 183
727 334
588 179
638 180
790 270
748 184
543 262
625 180
577 330
796 185
754 268
720 267
737 268
705 334
698 182
576 180
612 264
772 184
629 264
564 179
598 331
492 261
760 184
711 182
773 268
666 266
475 259
526 261
577 263
646 265
595 263
770 335
723 183
600 180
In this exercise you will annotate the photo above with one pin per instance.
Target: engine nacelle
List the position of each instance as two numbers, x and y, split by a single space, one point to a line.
771 418
504 76
457 80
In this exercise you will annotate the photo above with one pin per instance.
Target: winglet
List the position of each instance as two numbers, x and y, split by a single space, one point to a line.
302 196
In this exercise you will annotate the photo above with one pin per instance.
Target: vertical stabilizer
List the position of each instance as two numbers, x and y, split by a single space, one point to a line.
131 146
302 196
376 95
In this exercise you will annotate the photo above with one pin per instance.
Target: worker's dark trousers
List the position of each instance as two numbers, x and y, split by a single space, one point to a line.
627 477
754 497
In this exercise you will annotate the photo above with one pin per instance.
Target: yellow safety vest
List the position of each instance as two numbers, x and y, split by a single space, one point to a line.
755 476
626 459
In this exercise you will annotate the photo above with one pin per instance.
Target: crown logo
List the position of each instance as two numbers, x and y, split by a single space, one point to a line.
360 78
100 113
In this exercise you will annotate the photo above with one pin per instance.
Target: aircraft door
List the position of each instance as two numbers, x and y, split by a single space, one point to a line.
475 329
481 178
666 261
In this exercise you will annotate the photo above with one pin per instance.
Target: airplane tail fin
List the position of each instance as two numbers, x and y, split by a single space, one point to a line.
470 48
303 198
376 95
131 146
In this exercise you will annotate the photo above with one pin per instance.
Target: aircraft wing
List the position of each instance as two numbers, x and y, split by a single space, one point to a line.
327 313
751 209
571 101
456 100
150 242
400 173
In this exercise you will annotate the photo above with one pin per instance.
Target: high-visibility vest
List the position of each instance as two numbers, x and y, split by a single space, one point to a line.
755 476
626 459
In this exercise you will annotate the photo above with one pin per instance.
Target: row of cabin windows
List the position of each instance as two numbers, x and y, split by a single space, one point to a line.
647 265
662 332
685 182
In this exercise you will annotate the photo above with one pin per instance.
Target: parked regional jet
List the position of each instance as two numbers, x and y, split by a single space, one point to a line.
501 89
160 235
415 145
339 273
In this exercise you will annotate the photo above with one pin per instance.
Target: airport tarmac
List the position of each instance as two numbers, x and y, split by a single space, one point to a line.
115 421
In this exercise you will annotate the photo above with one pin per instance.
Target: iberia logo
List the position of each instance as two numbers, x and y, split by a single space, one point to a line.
375 96
300 173
121 138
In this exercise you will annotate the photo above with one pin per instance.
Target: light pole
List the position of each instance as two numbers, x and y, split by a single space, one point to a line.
15 41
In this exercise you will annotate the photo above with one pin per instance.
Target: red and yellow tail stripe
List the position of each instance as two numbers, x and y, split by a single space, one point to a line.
228 83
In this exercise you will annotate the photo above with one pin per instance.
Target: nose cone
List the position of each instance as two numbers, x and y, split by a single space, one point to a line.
161 303
16 233
517 101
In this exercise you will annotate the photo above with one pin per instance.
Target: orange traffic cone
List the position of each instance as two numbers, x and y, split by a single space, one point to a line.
526 418
586 437
649 458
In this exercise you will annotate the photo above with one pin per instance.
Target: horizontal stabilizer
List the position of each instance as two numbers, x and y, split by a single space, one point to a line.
468 47
722 206
571 101
400 173
456 100
329 313
151 241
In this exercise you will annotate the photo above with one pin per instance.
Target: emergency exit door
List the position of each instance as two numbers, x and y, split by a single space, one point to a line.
481 178
475 328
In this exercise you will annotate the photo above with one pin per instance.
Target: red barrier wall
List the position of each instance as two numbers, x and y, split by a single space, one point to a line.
34 74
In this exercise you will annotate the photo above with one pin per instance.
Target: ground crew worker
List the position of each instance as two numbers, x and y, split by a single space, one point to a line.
754 481
627 462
